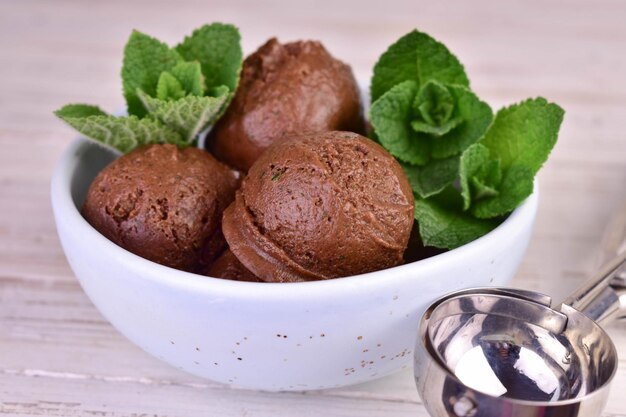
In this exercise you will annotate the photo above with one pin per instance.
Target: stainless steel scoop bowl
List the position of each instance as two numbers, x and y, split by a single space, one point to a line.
495 352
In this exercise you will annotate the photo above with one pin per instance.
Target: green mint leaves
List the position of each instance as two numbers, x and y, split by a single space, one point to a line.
467 169
172 94
120 133
188 115
416 57
431 179
511 153
480 175
216 48
443 224
145 58
183 79
433 107
422 109
525 133
421 125
391 116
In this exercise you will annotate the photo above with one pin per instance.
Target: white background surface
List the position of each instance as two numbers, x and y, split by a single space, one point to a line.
59 357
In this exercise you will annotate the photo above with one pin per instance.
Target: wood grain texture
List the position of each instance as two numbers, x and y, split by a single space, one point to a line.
59 357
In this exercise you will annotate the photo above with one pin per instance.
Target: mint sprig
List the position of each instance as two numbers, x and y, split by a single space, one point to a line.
423 111
515 147
467 169
172 94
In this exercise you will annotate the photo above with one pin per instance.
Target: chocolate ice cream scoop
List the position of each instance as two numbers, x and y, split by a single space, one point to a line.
164 204
227 266
286 89
320 206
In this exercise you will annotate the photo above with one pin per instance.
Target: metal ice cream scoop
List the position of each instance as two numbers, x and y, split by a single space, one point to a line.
497 352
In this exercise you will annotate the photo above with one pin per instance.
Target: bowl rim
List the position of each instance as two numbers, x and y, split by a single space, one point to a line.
63 205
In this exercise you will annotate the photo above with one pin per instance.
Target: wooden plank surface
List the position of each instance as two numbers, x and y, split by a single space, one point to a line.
58 356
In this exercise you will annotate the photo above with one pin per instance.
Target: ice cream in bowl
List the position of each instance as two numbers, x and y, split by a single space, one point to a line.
292 249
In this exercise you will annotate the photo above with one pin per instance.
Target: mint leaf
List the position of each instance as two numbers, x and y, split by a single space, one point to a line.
443 224
189 75
145 58
473 163
433 177
486 182
219 91
189 115
79 110
520 139
516 186
168 88
416 57
391 117
490 175
482 188
422 127
425 115
475 117
217 48
183 79
524 133
121 133
434 106
434 103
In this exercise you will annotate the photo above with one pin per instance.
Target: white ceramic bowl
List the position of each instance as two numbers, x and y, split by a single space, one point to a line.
294 336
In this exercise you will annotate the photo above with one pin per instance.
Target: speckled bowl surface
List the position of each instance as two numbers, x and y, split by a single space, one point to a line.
295 336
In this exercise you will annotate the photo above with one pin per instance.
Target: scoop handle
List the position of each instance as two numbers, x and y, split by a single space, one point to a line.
614 241
599 298
603 297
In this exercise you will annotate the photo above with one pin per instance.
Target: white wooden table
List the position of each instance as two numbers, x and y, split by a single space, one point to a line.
58 356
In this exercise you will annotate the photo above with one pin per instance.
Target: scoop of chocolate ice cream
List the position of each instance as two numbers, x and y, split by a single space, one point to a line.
320 206
164 204
286 89
227 266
